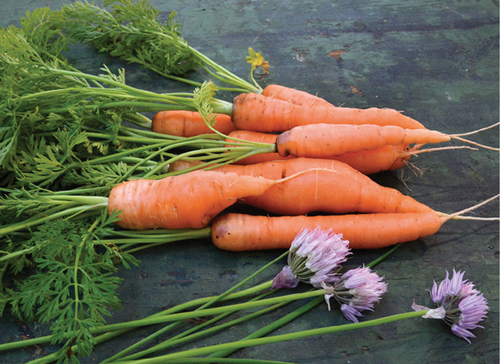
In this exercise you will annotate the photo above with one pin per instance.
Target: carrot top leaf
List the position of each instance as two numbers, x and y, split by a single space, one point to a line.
132 32
74 285
203 98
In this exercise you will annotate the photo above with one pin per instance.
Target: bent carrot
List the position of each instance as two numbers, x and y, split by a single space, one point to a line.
325 186
327 140
189 200
260 113
188 123
364 231
294 96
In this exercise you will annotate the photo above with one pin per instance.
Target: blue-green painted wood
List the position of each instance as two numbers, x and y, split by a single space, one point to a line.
438 62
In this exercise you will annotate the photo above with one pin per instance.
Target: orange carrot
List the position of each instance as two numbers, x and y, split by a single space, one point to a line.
366 161
325 186
260 113
189 200
328 140
239 232
188 123
364 231
294 96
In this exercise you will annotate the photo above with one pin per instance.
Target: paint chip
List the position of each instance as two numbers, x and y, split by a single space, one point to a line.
356 91
336 53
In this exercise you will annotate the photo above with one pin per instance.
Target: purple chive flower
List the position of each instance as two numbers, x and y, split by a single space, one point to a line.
314 257
458 303
357 290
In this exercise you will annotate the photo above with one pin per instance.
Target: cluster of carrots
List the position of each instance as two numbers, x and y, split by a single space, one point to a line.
323 156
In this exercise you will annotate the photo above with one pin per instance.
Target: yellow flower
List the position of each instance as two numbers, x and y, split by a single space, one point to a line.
257 60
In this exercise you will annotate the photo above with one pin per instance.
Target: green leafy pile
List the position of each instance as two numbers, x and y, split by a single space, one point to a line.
58 122
73 287
64 146
132 32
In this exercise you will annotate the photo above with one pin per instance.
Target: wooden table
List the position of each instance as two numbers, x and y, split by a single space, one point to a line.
435 60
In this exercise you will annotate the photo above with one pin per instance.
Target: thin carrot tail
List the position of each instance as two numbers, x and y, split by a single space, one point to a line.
474 143
459 137
478 130
458 215
420 151
302 172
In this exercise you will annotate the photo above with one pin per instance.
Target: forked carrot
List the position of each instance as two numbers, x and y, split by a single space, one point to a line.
188 123
240 232
260 113
294 96
325 186
189 200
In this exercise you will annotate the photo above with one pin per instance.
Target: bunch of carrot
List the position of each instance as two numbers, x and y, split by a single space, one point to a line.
323 154
370 140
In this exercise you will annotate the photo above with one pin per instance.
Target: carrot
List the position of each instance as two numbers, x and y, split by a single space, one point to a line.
294 96
260 113
239 232
188 123
189 200
327 140
325 186
366 161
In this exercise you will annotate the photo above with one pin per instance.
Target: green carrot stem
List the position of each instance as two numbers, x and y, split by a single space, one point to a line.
84 200
80 191
163 238
277 338
148 95
8 256
138 120
160 233
135 243
124 91
238 153
239 89
116 156
64 213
